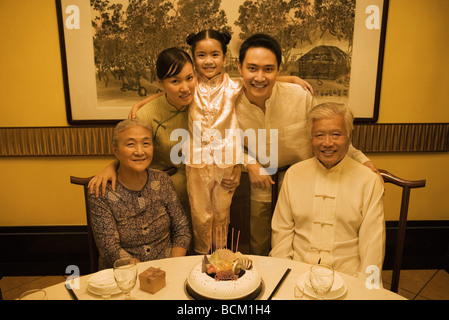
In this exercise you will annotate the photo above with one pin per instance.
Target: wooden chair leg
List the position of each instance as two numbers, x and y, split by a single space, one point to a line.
400 239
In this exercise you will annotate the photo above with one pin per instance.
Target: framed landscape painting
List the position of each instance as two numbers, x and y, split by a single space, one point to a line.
109 48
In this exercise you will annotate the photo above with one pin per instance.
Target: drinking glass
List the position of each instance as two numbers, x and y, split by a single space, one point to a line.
321 278
125 275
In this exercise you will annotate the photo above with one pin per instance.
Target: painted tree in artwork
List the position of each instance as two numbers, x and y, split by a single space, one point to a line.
193 16
290 22
147 27
108 34
293 22
336 17
128 36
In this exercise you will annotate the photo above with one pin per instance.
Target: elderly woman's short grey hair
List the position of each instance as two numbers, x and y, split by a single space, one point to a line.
125 124
328 110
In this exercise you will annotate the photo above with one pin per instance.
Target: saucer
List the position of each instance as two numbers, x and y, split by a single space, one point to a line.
337 291
103 283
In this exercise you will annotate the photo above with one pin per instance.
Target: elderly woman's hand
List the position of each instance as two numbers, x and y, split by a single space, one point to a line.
178 252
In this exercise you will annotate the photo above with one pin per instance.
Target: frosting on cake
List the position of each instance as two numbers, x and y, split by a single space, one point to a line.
246 280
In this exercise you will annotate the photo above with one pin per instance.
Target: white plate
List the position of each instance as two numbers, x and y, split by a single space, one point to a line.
103 283
337 291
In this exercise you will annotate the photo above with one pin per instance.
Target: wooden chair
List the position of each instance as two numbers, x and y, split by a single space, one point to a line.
275 187
239 216
406 186
93 250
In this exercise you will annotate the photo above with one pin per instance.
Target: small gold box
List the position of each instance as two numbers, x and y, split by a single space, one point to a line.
152 280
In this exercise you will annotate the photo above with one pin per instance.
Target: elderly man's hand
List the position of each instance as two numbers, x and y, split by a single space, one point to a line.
259 177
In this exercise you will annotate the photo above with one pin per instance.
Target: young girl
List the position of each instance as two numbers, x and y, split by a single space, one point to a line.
168 112
212 167
211 176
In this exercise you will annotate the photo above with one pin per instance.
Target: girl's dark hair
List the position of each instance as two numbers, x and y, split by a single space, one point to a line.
170 62
223 37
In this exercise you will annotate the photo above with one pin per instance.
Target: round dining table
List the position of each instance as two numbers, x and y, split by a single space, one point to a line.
271 269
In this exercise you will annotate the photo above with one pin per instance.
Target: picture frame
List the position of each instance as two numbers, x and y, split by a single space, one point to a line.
109 63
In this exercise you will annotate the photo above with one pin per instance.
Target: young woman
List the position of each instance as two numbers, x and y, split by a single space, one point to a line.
213 170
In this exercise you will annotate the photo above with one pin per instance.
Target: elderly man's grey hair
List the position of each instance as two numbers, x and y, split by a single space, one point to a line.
125 124
328 110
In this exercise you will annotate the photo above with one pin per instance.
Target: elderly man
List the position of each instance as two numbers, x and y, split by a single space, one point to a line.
267 104
330 207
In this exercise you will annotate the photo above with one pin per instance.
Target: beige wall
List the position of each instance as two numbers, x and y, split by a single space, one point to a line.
36 191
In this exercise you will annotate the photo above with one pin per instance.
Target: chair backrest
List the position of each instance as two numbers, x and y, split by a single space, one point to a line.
239 216
1 296
93 249
275 187
406 186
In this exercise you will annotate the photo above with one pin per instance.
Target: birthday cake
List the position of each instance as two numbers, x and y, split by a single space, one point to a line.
224 275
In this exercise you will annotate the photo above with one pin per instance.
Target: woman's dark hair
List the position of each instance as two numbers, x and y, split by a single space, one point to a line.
170 62
223 37
261 40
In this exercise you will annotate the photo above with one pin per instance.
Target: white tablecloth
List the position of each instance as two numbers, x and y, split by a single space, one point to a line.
270 269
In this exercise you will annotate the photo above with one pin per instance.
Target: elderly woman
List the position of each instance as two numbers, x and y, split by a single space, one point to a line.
143 217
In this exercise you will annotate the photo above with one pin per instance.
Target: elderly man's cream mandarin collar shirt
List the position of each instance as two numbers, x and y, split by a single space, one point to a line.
331 215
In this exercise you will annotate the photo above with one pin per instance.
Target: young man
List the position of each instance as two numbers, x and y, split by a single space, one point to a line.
330 209
277 106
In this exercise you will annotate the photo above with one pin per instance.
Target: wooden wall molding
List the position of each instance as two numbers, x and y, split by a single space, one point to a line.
401 137
96 140
56 141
